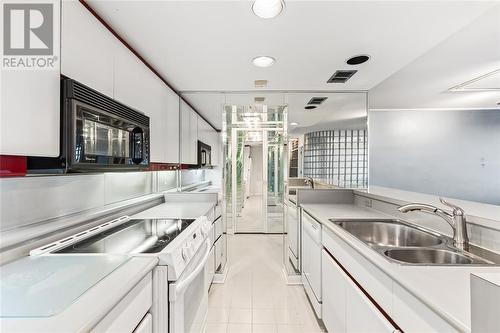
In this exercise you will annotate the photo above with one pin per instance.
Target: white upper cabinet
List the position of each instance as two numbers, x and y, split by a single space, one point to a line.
87 48
132 80
189 134
193 129
209 136
172 128
30 106
136 86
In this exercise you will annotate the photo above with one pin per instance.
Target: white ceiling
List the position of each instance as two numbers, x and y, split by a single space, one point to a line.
208 45
466 55
339 110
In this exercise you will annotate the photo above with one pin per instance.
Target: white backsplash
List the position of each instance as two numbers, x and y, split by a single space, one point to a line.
166 180
189 177
27 200
126 185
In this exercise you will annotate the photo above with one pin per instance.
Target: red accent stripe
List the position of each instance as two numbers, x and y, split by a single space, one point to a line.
138 55
13 166
153 166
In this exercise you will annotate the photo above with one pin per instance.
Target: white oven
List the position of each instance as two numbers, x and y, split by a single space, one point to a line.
188 296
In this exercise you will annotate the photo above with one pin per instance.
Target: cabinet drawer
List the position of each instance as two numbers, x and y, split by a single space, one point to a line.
127 314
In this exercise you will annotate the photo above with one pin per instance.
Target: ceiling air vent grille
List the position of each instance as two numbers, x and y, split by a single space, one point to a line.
316 100
341 76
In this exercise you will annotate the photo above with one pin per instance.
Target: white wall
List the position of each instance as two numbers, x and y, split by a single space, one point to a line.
256 171
449 153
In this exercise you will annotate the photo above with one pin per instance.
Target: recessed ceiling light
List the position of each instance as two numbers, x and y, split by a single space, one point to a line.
268 8
294 124
310 107
263 61
357 60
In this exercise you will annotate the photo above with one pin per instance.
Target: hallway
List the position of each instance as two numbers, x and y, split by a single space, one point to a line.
255 297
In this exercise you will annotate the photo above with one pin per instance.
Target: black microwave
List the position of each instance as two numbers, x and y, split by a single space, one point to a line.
204 155
97 134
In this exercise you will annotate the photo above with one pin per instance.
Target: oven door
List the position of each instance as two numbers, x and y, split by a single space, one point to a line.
188 297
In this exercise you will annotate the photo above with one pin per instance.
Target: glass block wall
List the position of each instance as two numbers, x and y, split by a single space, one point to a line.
337 157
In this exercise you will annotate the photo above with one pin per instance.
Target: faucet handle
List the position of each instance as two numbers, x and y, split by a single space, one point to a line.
456 210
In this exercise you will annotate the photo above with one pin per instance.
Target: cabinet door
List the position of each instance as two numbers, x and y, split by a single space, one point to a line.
146 325
334 295
362 315
30 106
185 133
215 144
87 48
345 307
156 109
132 80
172 129
193 131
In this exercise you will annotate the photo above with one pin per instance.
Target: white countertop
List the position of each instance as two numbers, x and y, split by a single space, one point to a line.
444 289
93 295
176 210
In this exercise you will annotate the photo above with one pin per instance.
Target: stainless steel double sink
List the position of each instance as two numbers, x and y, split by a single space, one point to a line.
405 243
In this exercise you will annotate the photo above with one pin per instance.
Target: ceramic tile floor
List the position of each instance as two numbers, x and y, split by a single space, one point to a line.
255 297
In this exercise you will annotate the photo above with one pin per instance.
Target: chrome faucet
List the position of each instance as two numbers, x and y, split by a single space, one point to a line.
456 220
310 181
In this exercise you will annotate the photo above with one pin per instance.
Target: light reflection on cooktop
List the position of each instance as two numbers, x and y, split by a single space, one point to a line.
134 236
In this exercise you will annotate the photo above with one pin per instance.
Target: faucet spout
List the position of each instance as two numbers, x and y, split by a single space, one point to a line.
456 220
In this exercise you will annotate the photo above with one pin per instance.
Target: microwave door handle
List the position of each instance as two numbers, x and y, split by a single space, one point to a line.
179 287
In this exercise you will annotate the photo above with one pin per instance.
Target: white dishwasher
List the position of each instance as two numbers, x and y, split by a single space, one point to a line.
311 260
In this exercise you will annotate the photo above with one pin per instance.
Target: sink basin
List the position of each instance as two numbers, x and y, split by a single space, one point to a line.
429 257
388 233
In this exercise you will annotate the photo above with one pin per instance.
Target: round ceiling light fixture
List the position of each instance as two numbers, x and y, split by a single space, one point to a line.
268 8
263 61
310 107
358 60
294 124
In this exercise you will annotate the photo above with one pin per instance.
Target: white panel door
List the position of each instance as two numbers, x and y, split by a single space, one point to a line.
30 105
87 48
334 295
172 129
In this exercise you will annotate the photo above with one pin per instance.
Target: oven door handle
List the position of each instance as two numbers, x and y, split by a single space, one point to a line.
179 287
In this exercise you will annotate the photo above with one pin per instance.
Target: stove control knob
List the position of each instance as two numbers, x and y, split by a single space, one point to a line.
185 253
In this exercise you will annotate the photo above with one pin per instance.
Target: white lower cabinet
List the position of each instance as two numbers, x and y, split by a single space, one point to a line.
146 325
345 307
334 295
128 314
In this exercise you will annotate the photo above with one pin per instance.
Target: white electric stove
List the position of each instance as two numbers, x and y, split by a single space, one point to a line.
180 293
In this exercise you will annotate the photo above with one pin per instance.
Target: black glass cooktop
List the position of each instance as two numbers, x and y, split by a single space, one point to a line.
134 236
